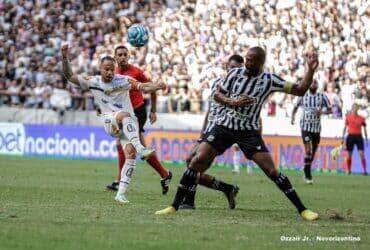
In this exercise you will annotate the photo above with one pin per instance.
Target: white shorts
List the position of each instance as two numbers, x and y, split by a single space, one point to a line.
111 127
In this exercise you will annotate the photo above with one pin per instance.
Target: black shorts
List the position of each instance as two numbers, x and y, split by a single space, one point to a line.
141 116
311 137
222 138
353 140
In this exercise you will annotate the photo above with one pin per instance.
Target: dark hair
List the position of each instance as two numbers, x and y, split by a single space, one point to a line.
120 47
237 58
260 51
107 58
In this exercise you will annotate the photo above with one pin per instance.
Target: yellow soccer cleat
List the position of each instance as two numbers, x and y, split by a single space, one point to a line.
167 210
309 215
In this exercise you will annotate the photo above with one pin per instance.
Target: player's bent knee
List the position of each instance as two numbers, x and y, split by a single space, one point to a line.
272 173
130 151
201 158
119 116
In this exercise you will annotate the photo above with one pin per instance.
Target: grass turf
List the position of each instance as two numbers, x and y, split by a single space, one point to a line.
62 204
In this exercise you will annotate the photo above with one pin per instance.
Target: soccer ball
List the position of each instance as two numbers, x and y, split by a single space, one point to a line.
138 35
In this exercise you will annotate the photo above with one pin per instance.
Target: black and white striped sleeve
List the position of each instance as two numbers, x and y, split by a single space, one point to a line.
226 84
278 84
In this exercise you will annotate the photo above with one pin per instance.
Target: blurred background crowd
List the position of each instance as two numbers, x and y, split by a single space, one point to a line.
188 42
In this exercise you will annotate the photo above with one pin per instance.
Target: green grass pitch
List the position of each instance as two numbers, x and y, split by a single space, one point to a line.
62 204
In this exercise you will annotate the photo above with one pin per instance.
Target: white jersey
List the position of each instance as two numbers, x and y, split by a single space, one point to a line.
112 96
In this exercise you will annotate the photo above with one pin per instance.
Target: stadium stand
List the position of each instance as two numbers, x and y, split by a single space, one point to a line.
188 41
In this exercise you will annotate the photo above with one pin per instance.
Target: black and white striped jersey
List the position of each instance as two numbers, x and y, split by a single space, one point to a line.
311 103
213 105
237 83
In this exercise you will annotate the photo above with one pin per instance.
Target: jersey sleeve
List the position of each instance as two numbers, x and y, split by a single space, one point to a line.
278 84
85 81
226 84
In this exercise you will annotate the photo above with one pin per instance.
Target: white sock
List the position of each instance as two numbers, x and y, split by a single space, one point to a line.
126 175
131 131
236 160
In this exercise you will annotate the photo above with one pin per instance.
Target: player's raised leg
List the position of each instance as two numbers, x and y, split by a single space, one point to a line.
131 132
265 162
126 173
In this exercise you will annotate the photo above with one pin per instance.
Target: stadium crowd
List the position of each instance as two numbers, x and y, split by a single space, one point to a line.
189 41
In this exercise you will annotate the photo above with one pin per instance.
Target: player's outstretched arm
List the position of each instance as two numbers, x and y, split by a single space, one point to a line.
312 63
67 70
149 87
240 101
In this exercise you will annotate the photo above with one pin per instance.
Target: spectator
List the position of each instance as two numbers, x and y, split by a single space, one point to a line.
187 38
334 100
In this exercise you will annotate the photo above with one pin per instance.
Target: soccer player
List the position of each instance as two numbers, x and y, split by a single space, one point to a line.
314 104
110 93
238 122
121 55
234 61
354 124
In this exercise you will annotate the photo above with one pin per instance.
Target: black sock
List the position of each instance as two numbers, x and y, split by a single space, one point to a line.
307 167
190 198
211 182
284 185
187 185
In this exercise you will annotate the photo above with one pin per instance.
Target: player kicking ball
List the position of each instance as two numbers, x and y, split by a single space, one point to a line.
240 124
121 55
111 94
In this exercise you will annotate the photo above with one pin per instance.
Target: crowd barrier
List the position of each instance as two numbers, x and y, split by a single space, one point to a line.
91 142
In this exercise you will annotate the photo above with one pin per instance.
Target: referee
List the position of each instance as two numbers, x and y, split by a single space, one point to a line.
314 104
354 123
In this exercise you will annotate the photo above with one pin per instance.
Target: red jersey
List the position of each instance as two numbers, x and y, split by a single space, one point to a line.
354 123
137 98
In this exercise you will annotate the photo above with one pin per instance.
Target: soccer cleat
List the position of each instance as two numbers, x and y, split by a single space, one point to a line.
185 206
113 186
146 153
165 183
309 215
167 210
121 198
231 196
308 181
